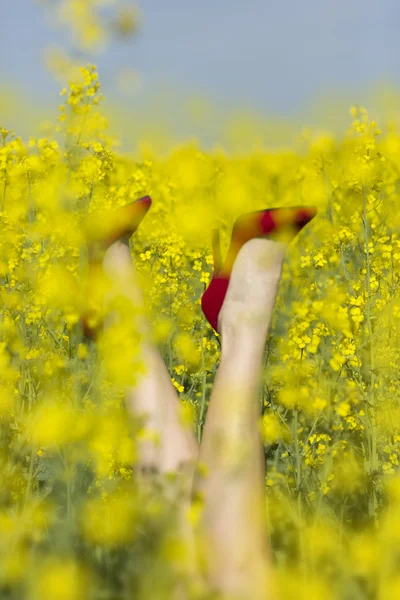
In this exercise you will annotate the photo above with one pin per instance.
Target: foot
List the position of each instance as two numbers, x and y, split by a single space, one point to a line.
247 309
119 268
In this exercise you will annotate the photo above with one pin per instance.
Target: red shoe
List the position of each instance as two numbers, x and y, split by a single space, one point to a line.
101 233
275 223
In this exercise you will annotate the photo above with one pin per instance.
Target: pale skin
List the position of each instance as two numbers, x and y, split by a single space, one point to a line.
231 476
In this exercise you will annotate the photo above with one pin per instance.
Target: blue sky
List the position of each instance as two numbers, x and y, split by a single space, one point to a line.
270 57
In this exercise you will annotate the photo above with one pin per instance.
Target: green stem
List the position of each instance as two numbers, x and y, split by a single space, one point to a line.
4 193
203 391
30 476
371 407
298 456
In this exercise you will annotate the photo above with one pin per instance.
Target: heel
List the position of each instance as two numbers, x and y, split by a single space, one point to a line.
103 230
216 250
101 234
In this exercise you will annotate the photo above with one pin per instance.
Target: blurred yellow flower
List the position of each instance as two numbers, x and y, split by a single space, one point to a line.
60 579
56 424
110 521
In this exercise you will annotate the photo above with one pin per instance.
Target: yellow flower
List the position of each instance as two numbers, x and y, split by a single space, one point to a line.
60 579
305 261
197 265
343 409
99 522
337 361
56 424
319 260
145 255
205 277
82 351
177 386
179 369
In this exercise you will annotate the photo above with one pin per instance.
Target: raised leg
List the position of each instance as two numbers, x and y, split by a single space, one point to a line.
232 476
172 445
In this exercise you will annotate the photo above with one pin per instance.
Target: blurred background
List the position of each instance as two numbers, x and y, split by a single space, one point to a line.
187 68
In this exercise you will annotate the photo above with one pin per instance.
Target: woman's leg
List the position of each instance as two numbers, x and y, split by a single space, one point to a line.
174 447
232 464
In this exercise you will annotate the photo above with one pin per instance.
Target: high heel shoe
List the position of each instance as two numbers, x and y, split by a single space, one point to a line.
100 235
103 232
279 224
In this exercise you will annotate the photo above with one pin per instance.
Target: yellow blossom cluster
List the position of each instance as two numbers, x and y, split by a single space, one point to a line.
90 25
74 520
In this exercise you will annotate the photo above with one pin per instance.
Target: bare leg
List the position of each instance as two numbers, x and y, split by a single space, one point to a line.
232 486
174 447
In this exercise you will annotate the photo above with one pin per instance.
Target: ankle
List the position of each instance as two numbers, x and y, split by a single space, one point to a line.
242 354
